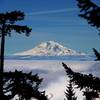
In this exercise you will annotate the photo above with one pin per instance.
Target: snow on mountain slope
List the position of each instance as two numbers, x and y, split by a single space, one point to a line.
49 48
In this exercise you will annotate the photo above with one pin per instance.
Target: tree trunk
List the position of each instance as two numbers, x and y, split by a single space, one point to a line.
2 63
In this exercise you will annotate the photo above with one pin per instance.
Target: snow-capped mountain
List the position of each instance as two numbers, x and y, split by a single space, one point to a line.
49 48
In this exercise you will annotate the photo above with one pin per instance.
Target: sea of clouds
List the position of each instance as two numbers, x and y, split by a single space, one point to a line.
53 74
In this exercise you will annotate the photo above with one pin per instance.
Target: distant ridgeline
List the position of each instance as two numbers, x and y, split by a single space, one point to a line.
51 50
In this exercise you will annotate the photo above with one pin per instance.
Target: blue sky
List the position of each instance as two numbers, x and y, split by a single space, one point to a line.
55 20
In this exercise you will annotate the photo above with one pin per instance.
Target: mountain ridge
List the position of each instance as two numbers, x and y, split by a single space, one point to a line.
49 48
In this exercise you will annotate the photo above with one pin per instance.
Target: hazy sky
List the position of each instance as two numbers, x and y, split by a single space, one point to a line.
55 20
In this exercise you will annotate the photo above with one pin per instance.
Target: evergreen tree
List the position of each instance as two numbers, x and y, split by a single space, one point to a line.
70 94
7 24
90 11
97 54
90 83
25 85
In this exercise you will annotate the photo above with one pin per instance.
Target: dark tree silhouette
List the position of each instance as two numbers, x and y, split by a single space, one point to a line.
25 85
97 54
69 93
7 24
90 83
90 11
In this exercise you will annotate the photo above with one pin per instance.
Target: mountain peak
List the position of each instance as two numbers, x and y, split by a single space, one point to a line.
49 48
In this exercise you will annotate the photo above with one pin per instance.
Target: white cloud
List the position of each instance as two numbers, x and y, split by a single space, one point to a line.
52 11
54 75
